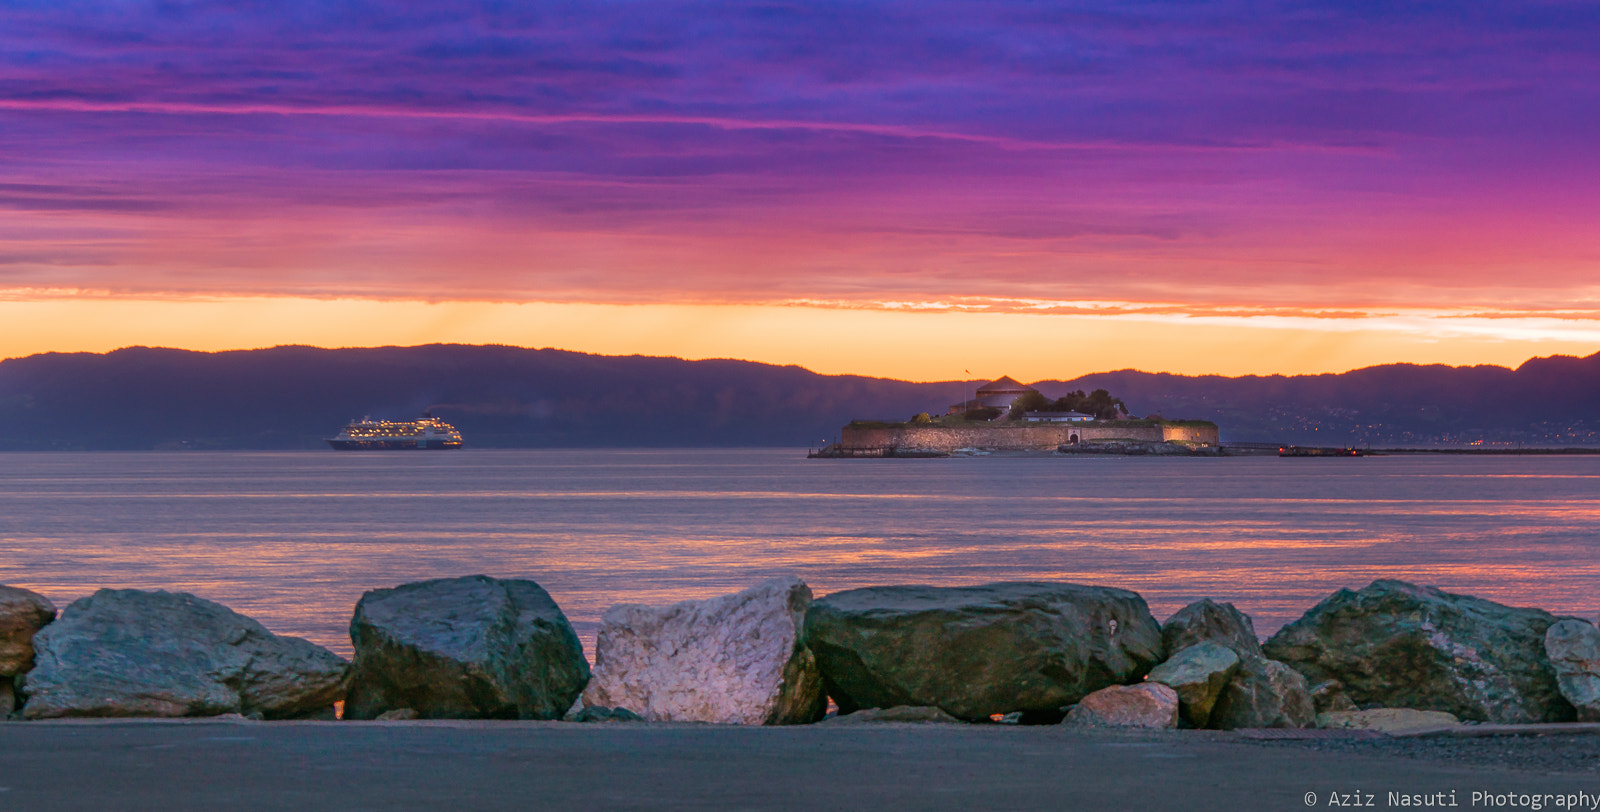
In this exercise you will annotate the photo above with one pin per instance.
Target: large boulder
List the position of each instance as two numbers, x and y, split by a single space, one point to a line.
1573 647
1199 674
1394 644
1263 693
130 652
1147 705
983 650
464 648
22 613
1207 620
734 659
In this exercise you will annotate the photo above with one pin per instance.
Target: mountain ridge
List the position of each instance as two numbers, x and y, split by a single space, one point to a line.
501 396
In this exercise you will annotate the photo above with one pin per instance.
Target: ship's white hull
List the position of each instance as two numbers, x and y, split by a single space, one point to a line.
430 444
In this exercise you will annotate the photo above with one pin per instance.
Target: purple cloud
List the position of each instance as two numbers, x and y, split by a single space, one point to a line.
816 149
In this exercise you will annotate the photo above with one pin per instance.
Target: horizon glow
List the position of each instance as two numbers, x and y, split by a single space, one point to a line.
918 344
1037 189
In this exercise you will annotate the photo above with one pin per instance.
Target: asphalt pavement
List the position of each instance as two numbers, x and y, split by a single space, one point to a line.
391 766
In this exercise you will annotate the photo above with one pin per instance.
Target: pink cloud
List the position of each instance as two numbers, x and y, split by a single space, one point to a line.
1315 158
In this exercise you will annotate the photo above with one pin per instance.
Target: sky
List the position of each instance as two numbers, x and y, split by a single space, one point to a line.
906 189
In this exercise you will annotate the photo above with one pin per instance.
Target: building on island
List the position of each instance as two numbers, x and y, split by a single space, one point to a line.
1033 431
1057 417
996 394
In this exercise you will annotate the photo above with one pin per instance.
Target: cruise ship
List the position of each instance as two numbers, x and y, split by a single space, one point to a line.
426 432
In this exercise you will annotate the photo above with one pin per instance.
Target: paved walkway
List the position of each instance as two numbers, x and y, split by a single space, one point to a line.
239 765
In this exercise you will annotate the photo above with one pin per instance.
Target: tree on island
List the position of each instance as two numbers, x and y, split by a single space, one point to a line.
1030 401
1099 404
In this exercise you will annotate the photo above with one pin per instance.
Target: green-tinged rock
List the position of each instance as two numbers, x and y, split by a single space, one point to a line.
979 651
1208 620
1198 673
1149 705
1394 644
1573 647
130 652
464 648
1263 693
22 614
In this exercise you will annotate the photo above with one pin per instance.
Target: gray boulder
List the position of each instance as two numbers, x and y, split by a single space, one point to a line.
1207 620
1263 693
22 613
1573 647
979 651
130 652
1394 644
464 648
1199 674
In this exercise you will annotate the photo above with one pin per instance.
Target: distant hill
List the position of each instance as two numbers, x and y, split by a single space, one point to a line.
291 397
1551 401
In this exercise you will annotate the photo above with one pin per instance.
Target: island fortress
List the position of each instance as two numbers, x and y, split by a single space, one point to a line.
1005 415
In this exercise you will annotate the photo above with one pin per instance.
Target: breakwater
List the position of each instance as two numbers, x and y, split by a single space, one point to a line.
1031 652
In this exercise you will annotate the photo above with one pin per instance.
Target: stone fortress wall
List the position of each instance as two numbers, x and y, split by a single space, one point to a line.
1018 436
1204 435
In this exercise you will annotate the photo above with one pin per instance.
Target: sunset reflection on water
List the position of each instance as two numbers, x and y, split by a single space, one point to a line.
293 539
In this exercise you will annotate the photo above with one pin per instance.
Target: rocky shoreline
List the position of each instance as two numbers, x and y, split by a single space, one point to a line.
1392 658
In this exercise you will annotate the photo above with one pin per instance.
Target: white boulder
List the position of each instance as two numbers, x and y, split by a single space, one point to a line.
735 659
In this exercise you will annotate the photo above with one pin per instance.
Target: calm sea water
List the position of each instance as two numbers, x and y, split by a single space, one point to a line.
293 539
